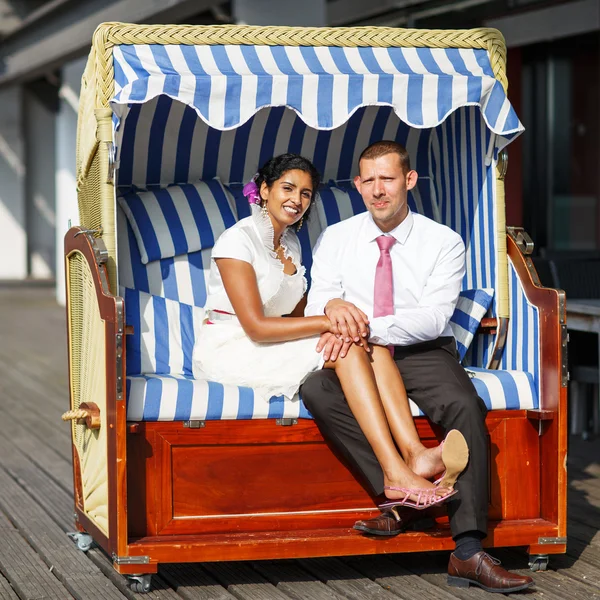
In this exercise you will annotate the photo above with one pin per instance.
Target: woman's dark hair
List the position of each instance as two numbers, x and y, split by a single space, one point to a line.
274 169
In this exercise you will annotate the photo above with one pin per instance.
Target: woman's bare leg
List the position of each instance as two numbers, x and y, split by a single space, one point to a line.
357 378
423 461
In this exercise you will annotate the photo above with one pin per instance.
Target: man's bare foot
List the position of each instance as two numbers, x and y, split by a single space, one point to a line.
427 463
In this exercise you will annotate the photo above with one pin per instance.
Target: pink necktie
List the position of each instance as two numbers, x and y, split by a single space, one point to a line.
383 299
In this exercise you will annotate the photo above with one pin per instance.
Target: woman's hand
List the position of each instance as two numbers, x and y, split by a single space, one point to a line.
332 346
348 321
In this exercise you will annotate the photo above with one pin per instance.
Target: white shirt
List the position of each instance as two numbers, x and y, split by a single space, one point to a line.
428 264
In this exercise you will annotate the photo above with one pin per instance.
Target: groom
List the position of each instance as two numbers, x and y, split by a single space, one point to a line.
416 267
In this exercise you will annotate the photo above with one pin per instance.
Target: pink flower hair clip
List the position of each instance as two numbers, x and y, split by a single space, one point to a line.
251 192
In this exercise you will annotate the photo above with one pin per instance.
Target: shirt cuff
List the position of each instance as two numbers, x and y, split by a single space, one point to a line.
379 332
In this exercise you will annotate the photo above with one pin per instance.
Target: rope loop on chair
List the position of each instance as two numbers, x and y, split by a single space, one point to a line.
75 415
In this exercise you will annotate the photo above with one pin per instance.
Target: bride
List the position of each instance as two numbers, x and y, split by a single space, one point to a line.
255 335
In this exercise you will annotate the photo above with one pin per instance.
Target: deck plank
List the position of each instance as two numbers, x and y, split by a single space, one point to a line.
193 583
79 575
391 576
7 592
339 575
27 573
243 582
294 581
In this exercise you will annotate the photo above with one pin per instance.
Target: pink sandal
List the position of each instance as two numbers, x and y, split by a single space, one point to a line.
426 497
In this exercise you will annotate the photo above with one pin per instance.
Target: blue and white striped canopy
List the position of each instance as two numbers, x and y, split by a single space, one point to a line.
227 84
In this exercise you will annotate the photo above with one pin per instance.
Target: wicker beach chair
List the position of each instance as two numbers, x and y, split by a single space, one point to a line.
173 120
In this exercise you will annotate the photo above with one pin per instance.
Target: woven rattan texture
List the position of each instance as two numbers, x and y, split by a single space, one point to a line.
76 284
88 381
90 209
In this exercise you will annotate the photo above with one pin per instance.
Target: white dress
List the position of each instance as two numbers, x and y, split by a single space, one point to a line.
223 352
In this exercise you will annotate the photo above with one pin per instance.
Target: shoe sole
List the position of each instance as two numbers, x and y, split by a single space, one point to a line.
461 582
455 455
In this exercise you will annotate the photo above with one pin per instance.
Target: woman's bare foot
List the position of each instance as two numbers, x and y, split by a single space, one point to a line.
414 482
427 462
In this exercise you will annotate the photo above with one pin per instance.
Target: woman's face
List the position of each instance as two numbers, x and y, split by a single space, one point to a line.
289 197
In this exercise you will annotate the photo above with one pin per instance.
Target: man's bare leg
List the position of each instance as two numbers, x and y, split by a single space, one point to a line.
358 382
423 461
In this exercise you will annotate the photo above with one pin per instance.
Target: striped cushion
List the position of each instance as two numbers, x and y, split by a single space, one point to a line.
470 309
183 278
180 398
178 219
164 332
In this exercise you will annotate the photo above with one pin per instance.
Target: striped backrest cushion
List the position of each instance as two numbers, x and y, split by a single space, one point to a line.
183 278
470 309
164 332
178 219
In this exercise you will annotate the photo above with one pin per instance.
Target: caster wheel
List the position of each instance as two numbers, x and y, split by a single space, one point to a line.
83 541
538 562
140 584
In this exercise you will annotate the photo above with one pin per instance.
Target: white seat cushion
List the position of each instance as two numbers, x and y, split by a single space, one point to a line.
182 398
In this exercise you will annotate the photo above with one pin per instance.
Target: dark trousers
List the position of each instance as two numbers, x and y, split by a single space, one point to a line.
441 388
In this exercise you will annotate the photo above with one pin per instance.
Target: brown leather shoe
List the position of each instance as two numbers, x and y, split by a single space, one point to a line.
393 521
484 571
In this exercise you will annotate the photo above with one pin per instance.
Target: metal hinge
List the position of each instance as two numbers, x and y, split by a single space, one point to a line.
564 370
287 422
130 560
194 424
552 540
521 239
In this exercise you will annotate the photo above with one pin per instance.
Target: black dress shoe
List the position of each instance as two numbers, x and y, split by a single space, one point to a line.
393 521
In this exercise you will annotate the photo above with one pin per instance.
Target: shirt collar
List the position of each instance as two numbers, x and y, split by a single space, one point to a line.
400 233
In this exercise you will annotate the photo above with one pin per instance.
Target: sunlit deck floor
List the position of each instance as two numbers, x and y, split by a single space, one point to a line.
38 560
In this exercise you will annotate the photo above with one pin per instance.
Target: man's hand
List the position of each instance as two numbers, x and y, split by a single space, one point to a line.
348 321
332 346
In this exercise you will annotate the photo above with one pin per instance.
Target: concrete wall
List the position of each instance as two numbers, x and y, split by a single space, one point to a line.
65 181
13 239
39 106
308 13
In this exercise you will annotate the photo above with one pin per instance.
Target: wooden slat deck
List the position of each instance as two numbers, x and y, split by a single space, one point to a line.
38 560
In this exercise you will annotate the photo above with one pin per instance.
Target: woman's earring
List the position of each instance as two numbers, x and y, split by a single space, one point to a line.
265 212
299 226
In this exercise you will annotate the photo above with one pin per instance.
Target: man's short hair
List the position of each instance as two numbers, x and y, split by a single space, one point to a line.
387 147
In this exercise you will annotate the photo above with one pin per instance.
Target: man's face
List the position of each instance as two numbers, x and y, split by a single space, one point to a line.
384 187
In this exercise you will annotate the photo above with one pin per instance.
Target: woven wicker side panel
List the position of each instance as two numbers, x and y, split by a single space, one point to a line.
86 122
88 384
90 210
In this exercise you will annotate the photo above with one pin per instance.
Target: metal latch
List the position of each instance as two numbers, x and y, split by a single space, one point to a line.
286 422
552 540
130 560
194 424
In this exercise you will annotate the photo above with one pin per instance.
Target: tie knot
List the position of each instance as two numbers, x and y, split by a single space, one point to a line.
385 242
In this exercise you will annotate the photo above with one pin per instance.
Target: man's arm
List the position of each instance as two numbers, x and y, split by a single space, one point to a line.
326 281
326 294
429 320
